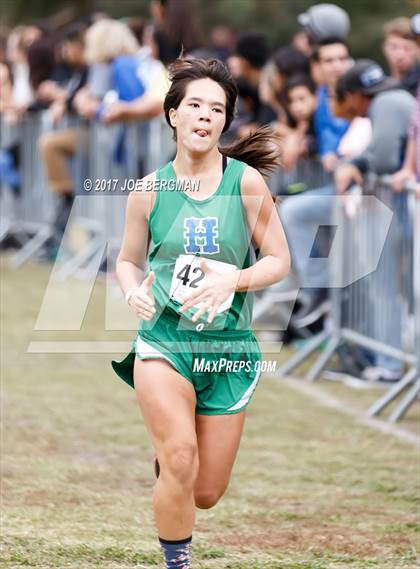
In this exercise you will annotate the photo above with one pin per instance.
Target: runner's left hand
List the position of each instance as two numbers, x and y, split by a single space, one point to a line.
216 288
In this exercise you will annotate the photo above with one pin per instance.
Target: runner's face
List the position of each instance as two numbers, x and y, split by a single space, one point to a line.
201 115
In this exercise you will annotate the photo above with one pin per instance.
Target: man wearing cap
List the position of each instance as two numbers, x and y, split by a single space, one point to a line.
367 91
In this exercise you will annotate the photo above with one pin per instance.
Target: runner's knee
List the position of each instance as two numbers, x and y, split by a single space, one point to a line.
180 457
207 499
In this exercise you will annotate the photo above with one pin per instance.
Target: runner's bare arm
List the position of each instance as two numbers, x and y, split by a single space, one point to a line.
267 233
131 261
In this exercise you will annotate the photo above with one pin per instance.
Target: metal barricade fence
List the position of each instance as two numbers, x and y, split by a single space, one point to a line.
308 174
378 312
24 213
142 148
410 383
10 136
116 153
274 305
113 153
29 212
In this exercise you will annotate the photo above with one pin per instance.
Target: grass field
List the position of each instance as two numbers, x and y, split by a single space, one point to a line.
312 488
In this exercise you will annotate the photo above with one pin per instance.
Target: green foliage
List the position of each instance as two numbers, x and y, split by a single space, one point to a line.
276 18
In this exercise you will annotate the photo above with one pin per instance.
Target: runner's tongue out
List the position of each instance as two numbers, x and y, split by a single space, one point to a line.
201 132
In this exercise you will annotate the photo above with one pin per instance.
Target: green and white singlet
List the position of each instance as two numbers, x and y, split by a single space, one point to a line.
183 231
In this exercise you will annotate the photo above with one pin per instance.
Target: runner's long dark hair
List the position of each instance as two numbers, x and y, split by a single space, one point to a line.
259 149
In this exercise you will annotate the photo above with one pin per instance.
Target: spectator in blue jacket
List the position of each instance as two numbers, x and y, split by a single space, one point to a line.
332 56
301 215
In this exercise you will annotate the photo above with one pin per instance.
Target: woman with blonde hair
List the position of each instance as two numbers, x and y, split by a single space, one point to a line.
107 39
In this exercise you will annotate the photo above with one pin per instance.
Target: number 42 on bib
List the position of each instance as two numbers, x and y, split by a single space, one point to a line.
188 276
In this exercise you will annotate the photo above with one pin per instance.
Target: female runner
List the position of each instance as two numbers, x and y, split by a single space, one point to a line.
194 364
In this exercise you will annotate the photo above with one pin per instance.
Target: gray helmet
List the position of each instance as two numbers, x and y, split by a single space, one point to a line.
415 24
325 20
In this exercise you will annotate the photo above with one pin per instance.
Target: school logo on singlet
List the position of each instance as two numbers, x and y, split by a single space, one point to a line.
201 234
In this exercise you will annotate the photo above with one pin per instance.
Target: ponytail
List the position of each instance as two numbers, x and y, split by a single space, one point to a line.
259 149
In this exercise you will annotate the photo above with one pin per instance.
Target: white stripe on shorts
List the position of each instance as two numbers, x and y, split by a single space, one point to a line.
145 350
247 395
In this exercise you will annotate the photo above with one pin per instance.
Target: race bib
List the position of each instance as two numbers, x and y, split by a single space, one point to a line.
188 276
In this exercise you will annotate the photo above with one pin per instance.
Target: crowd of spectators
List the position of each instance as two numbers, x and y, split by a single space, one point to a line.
342 117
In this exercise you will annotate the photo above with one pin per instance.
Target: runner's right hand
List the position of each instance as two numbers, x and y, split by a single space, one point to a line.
142 301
